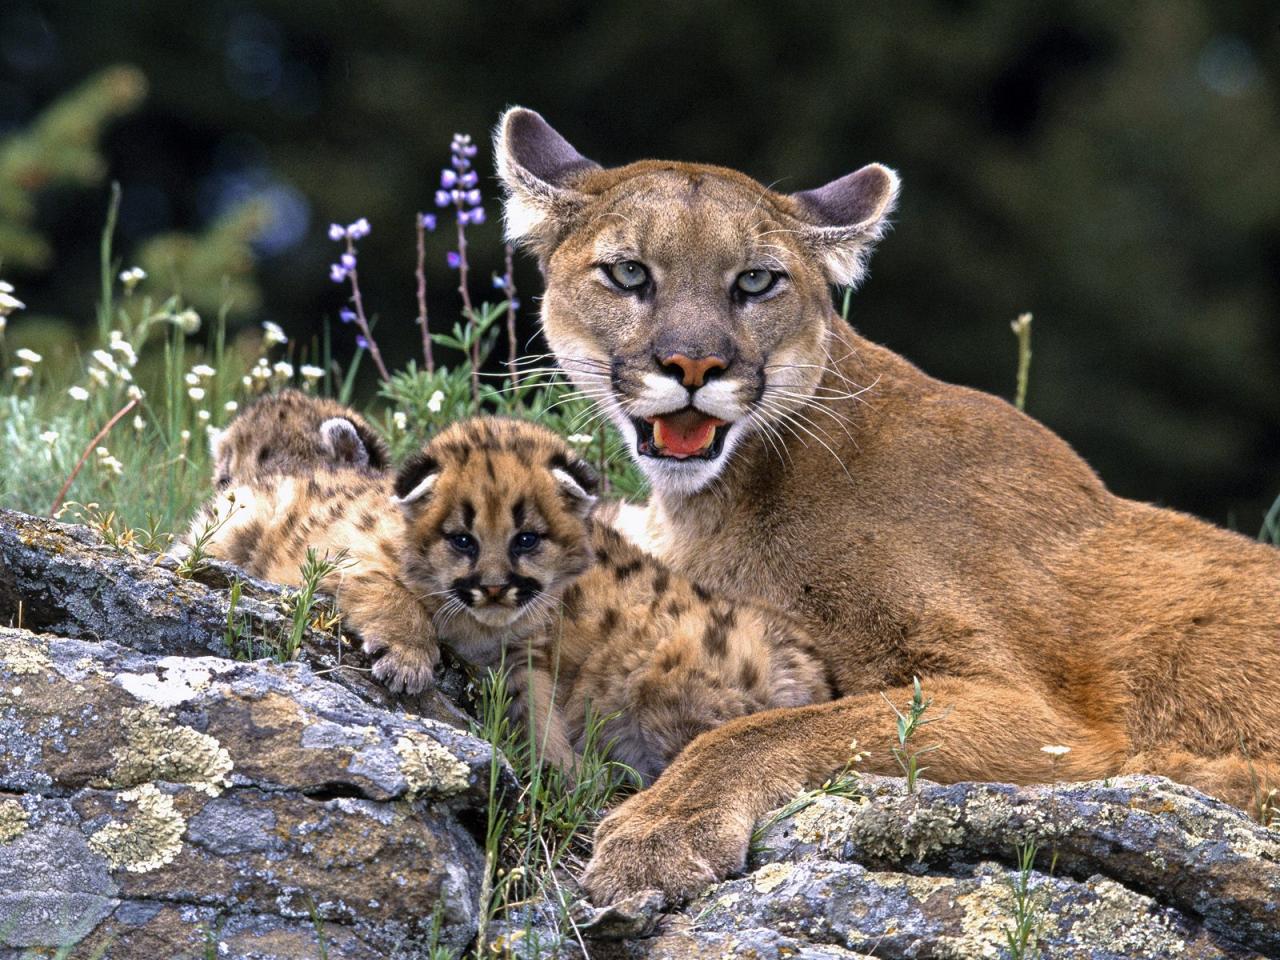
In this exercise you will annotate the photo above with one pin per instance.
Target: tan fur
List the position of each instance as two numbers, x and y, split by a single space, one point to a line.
915 528
584 619
284 486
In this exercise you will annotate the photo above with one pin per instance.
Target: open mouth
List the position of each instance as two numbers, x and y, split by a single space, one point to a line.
687 434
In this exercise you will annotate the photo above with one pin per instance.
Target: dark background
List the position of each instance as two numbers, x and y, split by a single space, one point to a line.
1113 168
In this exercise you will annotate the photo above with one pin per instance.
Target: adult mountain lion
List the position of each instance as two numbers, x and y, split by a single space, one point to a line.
914 527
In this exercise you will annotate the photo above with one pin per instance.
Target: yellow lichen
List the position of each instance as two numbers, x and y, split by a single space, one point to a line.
771 876
155 749
428 767
23 656
13 820
151 838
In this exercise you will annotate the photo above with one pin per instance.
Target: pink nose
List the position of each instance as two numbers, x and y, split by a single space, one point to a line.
693 371
494 590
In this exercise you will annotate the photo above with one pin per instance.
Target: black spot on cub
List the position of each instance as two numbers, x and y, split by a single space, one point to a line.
265 452
608 623
749 676
468 514
702 593
627 569
661 580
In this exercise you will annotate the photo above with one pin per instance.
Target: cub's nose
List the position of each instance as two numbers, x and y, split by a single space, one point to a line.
692 371
494 590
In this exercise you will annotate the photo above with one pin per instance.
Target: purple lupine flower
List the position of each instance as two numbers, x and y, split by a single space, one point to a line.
469 179
336 273
453 259
348 261
472 197
359 229
361 342
477 215
336 231
347 315
499 282
442 198
448 179
428 221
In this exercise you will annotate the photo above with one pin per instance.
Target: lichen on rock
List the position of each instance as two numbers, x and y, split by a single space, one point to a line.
428 767
147 839
13 820
153 748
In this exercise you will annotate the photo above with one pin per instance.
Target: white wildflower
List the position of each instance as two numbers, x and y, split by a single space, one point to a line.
132 277
107 360
247 381
9 303
22 372
202 416
112 464
283 369
6 287
124 375
196 393
231 406
97 376
50 437
135 392
400 419
139 424
102 452
436 401
581 438
274 334
310 372
191 379
78 393
124 348
188 321
203 371
185 436
30 356
1056 752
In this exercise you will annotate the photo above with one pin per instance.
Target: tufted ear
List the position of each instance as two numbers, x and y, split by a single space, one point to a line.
577 481
415 480
847 217
538 167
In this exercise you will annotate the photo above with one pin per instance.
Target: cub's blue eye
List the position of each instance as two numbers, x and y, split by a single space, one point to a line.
755 282
462 542
526 541
628 274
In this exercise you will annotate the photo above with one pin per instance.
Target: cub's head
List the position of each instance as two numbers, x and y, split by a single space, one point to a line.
292 432
691 302
496 515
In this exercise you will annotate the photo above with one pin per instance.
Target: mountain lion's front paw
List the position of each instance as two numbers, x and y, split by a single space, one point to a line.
403 667
641 847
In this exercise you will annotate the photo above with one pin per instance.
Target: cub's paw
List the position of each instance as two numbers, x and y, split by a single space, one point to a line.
403 668
639 847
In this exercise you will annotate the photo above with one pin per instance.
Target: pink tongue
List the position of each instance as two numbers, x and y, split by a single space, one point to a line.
684 434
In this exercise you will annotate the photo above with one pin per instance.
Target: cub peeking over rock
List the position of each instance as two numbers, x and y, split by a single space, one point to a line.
295 471
500 534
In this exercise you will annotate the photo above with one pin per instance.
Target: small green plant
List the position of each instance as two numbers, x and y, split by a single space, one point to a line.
197 556
1270 532
1027 904
909 724
844 783
315 568
237 637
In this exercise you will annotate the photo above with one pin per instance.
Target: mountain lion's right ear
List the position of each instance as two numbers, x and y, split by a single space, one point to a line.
414 482
538 168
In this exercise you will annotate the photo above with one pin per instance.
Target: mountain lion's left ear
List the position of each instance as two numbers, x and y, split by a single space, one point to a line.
846 218
538 167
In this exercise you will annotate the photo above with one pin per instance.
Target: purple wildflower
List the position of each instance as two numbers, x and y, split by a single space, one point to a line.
336 273
428 221
347 315
359 229
362 342
348 261
448 179
443 199
453 259
469 179
336 231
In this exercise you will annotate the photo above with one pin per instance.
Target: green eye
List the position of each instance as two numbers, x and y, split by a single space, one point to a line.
627 274
755 282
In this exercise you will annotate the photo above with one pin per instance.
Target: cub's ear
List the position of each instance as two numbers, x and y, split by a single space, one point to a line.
847 217
538 168
345 444
577 480
415 481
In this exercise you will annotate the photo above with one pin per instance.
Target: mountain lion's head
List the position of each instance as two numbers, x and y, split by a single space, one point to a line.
689 301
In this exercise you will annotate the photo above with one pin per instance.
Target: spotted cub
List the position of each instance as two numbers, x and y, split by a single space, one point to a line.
501 535
295 471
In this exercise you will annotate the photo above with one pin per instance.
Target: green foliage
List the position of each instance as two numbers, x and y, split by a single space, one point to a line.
1027 905
909 724
304 603
59 149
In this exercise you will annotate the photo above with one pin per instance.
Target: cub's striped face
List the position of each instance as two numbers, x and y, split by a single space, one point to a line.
496 513
691 303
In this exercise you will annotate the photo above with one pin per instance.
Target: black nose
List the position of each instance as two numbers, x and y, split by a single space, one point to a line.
692 371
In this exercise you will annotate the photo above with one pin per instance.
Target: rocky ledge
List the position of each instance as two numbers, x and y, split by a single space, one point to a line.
159 798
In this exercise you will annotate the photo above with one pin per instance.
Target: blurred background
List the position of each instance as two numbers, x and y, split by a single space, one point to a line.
1112 168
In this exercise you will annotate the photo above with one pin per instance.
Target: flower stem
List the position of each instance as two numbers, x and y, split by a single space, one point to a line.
422 296
469 311
362 321
509 281
119 415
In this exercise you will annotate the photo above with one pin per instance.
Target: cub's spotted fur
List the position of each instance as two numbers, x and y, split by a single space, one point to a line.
295 471
501 536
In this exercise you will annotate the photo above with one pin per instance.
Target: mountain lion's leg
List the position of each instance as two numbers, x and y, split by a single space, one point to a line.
693 825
